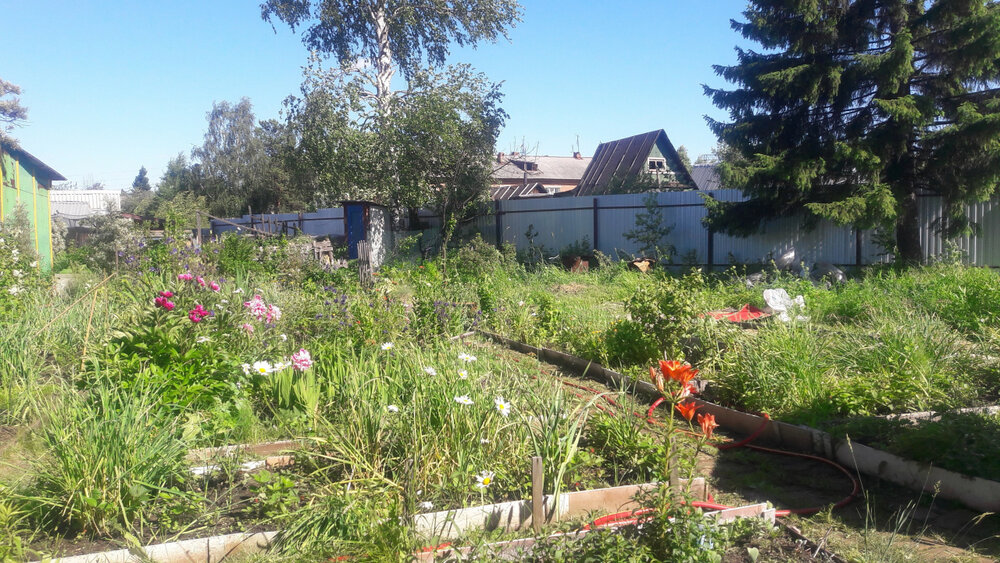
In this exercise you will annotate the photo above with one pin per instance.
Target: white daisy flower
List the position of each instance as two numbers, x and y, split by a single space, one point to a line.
202 339
463 400
503 407
263 367
463 374
247 368
430 371
392 408
283 337
466 357
387 346
484 479
281 365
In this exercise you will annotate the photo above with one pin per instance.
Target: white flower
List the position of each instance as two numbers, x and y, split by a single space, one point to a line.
283 337
387 346
466 357
392 408
503 407
15 253
263 367
463 400
224 302
18 274
13 290
34 264
462 374
238 290
281 365
520 303
425 505
484 441
202 339
247 369
430 371
484 479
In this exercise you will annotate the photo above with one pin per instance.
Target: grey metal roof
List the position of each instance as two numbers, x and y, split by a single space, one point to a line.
615 162
547 168
533 189
705 177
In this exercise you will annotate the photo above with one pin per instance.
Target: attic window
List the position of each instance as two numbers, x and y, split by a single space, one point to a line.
657 164
526 165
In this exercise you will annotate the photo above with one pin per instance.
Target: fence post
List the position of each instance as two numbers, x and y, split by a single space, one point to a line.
596 230
857 247
537 494
499 223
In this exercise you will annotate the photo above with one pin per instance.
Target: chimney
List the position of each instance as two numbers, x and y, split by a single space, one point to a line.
500 156
578 156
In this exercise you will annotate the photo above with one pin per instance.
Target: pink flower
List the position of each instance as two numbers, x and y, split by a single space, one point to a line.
197 314
256 307
163 302
201 281
248 327
185 277
169 305
166 294
214 286
273 313
301 360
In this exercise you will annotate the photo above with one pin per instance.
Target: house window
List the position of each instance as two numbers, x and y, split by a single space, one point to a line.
657 164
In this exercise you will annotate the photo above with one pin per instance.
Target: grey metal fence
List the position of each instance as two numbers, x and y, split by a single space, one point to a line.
604 220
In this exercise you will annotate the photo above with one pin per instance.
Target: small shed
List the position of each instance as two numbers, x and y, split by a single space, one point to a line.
371 222
25 183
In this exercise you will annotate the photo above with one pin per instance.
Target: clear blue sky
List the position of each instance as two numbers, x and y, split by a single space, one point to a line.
114 85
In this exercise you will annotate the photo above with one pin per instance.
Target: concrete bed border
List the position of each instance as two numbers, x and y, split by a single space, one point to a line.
974 492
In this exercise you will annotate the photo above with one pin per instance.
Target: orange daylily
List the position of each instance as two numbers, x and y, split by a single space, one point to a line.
708 424
678 371
687 409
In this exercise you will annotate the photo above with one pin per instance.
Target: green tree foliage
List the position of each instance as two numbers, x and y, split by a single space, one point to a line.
12 113
853 108
141 182
390 33
682 152
651 231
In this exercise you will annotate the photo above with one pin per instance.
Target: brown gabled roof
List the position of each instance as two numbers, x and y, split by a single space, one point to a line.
617 161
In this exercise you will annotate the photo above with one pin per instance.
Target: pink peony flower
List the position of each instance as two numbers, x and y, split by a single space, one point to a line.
185 277
248 327
201 281
214 286
301 360
162 301
197 314
169 305
166 294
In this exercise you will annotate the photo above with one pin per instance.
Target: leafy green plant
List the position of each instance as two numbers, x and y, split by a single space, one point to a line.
275 496
108 456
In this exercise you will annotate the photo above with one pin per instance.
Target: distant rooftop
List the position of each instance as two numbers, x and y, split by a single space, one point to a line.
705 177
514 166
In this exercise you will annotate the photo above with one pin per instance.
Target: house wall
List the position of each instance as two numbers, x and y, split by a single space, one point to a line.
22 188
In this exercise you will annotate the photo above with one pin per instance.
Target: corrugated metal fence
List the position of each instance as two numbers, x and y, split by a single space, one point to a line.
604 220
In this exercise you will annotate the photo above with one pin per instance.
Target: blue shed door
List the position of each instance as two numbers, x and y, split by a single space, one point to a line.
355 228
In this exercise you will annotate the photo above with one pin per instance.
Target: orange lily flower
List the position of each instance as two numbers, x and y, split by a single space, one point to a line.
708 424
678 371
687 409
657 379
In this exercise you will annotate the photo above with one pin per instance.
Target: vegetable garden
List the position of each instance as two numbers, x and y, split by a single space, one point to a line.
397 407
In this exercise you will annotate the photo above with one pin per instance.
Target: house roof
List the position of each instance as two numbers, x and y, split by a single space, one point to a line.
532 189
617 161
705 177
43 169
541 168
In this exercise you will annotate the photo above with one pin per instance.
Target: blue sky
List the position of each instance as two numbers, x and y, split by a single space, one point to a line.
112 86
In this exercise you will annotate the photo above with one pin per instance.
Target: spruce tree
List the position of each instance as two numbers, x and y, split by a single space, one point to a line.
853 108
